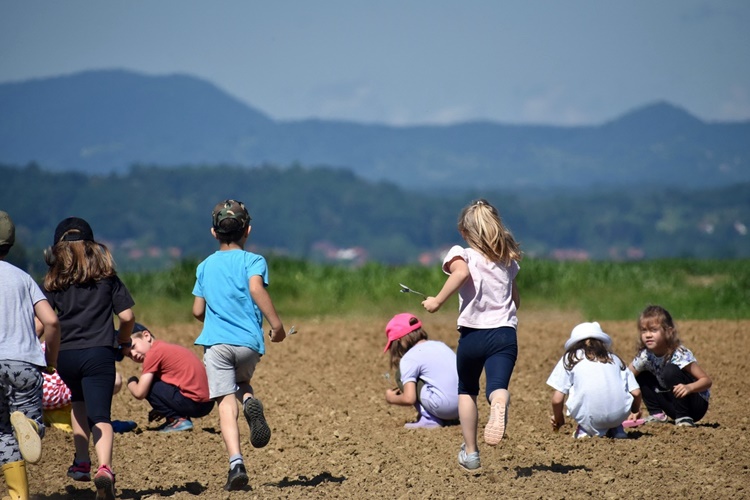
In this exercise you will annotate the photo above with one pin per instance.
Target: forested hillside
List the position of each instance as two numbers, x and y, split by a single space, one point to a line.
152 216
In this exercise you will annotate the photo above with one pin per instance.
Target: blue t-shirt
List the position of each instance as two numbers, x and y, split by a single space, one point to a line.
232 317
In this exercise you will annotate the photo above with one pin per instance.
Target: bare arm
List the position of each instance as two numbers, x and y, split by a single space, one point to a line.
515 295
199 308
635 407
127 321
557 419
406 398
139 388
50 328
459 274
702 381
260 296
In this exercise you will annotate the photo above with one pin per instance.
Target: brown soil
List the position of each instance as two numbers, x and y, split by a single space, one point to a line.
335 437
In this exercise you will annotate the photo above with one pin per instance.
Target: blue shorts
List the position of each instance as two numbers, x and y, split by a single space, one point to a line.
493 350
90 375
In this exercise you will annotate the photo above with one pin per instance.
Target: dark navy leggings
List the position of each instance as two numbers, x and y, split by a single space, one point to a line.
493 350
693 405
90 375
169 402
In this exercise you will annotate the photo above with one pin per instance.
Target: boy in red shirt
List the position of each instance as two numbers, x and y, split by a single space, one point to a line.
173 380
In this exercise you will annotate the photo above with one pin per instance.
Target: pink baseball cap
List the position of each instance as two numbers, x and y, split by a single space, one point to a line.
400 326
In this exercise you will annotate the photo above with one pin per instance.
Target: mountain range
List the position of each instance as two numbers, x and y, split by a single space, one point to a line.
103 122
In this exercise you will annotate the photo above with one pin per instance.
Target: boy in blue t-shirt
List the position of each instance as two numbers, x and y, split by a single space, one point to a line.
231 300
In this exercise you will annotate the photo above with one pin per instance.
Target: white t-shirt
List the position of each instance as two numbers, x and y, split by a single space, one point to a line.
435 363
486 299
19 293
599 396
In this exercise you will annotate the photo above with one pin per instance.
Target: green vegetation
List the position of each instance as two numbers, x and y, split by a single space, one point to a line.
302 212
690 289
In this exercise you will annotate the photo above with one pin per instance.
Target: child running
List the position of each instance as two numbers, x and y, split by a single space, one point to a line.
673 384
173 380
601 390
484 275
231 300
83 287
425 373
21 366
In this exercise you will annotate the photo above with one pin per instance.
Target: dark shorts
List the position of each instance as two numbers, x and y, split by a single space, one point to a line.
90 375
493 350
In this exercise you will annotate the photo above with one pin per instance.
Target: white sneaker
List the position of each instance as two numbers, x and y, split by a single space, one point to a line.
27 435
468 461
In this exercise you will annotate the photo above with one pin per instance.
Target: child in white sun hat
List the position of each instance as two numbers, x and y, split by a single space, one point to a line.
601 391
425 373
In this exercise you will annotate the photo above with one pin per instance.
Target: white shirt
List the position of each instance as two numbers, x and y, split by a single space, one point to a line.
599 396
486 299
435 363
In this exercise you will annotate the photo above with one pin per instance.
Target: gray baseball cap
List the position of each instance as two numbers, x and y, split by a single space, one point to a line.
7 229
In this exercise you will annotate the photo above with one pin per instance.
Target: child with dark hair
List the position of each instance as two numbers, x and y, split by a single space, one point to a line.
673 384
83 287
425 373
21 365
231 300
601 390
173 380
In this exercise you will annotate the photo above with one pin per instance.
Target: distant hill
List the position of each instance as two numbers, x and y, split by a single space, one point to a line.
106 121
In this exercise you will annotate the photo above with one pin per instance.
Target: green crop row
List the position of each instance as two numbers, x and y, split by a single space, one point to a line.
690 289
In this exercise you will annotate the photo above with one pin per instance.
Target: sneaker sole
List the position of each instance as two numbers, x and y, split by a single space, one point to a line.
260 433
29 442
495 429
80 476
105 488
237 483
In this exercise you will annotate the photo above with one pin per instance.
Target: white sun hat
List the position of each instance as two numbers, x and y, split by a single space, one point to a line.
587 331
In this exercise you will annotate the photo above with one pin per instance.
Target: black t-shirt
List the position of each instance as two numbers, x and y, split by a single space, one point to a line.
86 311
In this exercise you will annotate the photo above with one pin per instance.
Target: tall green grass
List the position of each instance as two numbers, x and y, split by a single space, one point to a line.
690 289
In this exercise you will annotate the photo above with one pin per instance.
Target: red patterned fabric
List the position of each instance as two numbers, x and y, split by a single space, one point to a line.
56 393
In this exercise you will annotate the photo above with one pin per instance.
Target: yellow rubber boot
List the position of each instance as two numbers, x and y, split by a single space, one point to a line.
27 435
15 478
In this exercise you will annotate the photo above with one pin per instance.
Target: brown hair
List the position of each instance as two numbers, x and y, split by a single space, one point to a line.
399 347
593 350
78 262
654 314
482 228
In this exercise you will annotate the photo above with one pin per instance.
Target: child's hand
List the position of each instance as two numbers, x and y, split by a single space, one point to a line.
431 304
391 395
681 390
277 334
555 425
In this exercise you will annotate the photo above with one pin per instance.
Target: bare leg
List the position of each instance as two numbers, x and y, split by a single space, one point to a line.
228 413
103 440
467 413
79 422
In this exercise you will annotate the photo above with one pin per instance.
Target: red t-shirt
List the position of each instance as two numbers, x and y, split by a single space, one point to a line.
179 366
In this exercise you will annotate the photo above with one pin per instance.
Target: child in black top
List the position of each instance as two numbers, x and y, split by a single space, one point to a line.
82 286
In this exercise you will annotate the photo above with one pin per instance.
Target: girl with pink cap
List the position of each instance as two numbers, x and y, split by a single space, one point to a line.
425 373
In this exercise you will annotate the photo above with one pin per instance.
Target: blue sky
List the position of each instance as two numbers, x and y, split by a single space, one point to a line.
402 62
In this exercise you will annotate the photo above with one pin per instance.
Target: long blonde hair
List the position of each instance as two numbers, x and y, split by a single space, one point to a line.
482 228
78 262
